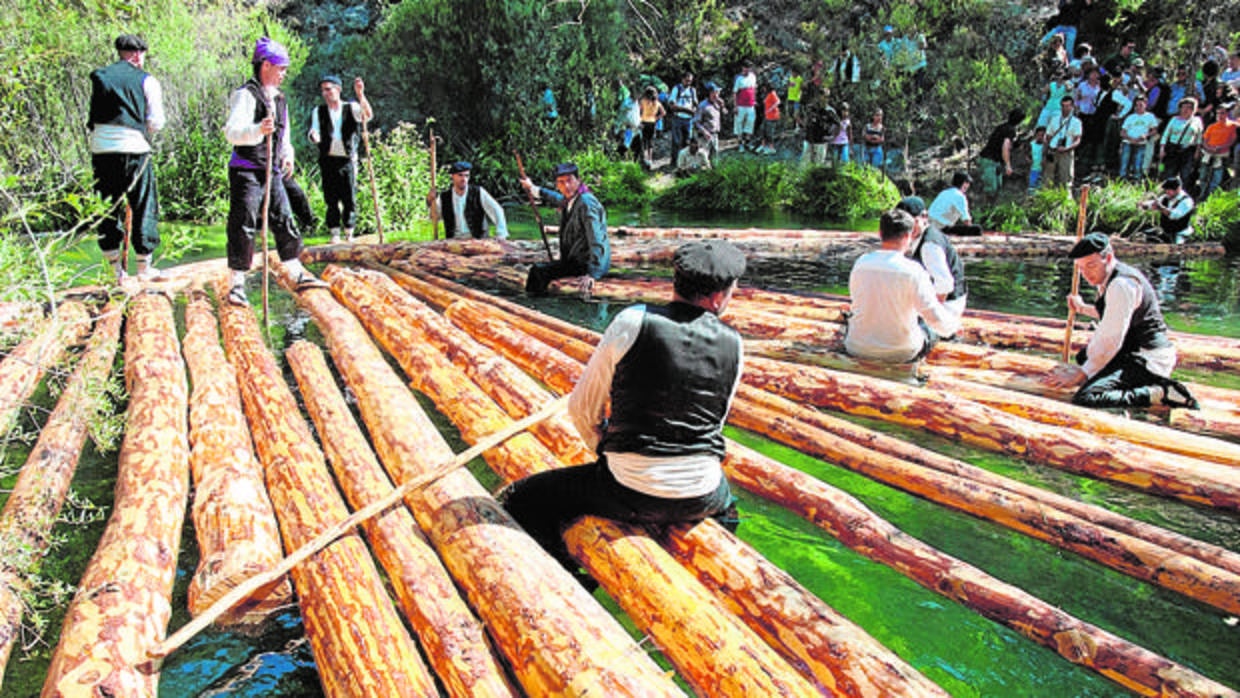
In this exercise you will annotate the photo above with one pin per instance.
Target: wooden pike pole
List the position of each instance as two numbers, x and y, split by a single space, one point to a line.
1076 273
370 169
258 581
537 216
434 187
266 224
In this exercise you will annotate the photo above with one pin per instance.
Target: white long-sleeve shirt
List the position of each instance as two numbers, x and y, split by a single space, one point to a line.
1123 296
494 213
114 138
670 477
336 149
889 292
242 129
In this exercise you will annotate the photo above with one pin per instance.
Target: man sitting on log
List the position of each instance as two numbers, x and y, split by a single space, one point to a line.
896 316
668 375
585 251
1128 361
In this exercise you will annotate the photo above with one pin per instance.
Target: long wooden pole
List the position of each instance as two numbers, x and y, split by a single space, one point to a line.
537 216
266 223
370 169
1076 274
258 581
434 187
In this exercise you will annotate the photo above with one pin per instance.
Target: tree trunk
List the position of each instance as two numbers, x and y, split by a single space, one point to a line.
360 645
33 505
23 368
123 602
233 518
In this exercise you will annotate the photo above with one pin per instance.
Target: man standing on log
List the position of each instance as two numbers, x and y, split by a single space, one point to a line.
126 109
1128 361
335 126
257 111
652 402
585 250
895 314
465 208
933 250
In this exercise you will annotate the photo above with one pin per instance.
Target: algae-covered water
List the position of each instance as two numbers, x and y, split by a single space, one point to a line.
957 648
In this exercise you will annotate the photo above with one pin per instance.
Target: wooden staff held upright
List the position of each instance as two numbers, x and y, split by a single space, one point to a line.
537 216
266 218
434 187
358 85
1076 273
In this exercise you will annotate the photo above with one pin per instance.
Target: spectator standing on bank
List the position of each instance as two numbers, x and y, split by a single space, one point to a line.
336 128
873 136
744 101
709 121
995 159
682 103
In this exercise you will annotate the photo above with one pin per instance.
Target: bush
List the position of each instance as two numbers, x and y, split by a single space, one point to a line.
735 184
1009 217
1114 209
1218 218
402 178
845 194
1052 209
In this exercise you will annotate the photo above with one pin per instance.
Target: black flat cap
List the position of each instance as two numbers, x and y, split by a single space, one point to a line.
562 169
717 262
333 79
130 42
459 166
912 205
1092 243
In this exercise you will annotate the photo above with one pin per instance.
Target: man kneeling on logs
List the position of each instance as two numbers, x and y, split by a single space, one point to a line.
1128 361
668 374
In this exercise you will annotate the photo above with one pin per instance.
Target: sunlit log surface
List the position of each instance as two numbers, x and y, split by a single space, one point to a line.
34 503
557 638
123 603
360 645
23 367
454 640
233 518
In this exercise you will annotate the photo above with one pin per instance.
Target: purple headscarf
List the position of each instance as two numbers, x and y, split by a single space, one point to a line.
270 50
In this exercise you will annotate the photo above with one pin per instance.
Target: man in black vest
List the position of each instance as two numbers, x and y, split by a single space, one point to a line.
1128 361
652 402
933 250
585 250
257 111
126 109
465 208
336 127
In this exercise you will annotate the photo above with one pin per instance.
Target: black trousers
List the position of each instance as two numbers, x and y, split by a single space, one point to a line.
114 172
1124 382
339 191
299 203
245 218
541 275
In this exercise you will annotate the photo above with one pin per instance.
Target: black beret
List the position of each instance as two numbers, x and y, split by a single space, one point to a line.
459 166
130 42
333 79
717 261
912 205
562 169
1092 243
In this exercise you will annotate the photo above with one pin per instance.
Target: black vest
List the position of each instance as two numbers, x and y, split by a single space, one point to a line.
1172 226
670 392
475 217
117 97
348 130
257 154
1146 328
959 288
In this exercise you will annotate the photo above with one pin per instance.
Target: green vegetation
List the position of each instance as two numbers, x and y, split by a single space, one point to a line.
847 193
736 184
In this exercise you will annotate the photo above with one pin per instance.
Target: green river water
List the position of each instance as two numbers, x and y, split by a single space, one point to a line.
955 647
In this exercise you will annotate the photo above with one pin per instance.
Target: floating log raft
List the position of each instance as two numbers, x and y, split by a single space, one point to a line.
455 641
1128 664
233 518
23 368
529 603
788 617
667 602
360 646
123 603
43 484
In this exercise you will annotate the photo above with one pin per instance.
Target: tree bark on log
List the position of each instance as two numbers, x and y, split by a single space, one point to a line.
800 626
360 645
233 517
23 368
33 505
682 616
849 521
455 641
123 602
558 640
984 427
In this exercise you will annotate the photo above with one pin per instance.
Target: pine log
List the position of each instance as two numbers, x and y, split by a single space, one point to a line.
360 645
558 640
1131 555
123 602
849 521
681 615
454 640
233 517
34 503
1207 421
1132 666
984 427
23 368
800 626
